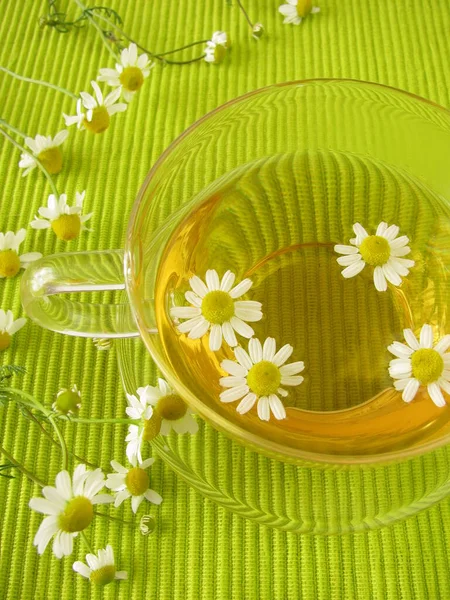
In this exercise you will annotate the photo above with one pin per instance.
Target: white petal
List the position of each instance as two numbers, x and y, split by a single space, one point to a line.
444 384
64 485
54 497
94 482
411 339
121 575
120 497
215 338
379 279
115 108
60 137
82 569
187 326
400 369
136 502
399 242
381 228
292 368
185 312
264 408
92 561
248 314
39 224
147 463
391 275
398 252
349 259
269 349
353 269
443 344
112 97
241 289
232 381
98 93
192 298
241 327
400 350
153 497
229 335
291 380
44 534
88 102
282 392
212 280
246 403
44 506
16 325
198 286
343 249
398 266
410 390
118 467
436 394
360 233
227 281
287 10
282 355
243 358
234 368
277 407
199 330
30 257
426 336
233 394
255 350
391 233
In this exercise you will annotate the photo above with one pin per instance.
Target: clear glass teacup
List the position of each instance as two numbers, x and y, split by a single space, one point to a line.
270 187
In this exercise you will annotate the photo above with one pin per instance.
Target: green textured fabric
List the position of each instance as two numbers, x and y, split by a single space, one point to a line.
198 550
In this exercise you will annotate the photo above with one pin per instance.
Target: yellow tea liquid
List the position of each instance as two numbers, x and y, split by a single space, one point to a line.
276 221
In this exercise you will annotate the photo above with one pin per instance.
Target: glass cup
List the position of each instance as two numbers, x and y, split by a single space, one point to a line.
266 185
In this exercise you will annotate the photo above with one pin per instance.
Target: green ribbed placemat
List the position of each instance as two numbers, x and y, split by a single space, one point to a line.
198 550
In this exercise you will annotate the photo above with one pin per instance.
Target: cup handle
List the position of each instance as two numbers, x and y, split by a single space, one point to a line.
47 282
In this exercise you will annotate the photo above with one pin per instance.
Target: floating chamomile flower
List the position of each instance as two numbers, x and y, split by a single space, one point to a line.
70 508
132 483
216 47
66 221
418 363
68 401
10 261
8 327
384 251
45 150
139 409
296 10
129 74
216 308
172 410
101 569
257 376
99 110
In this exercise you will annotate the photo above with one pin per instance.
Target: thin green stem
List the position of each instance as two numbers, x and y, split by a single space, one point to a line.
38 162
100 514
245 13
22 468
86 541
181 48
13 129
98 28
39 82
62 443
29 399
94 420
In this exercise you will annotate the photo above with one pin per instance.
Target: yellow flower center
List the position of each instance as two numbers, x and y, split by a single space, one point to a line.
100 120
137 481
67 227
152 427
427 365
77 515
171 407
264 378
219 53
375 250
131 78
103 575
5 340
68 401
51 160
217 307
9 263
304 7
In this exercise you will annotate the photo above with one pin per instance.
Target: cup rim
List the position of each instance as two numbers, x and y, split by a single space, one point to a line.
235 431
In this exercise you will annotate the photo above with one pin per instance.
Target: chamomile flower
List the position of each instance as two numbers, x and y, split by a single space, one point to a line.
384 251
216 47
129 74
68 401
216 308
46 150
99 110
418 363
8 327
296 10
70 508
257 376
10 260
139 409
101 569
66 221
132 483
172 410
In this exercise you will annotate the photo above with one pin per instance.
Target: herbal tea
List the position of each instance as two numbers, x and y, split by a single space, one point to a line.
277 221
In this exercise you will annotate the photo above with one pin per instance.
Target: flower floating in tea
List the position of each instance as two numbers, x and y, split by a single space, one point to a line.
45 150
10 261
101 569
8 327
66 221
216 308
383 251
70 508
132 483
257 376
418 363
296 10
129 74
99 110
